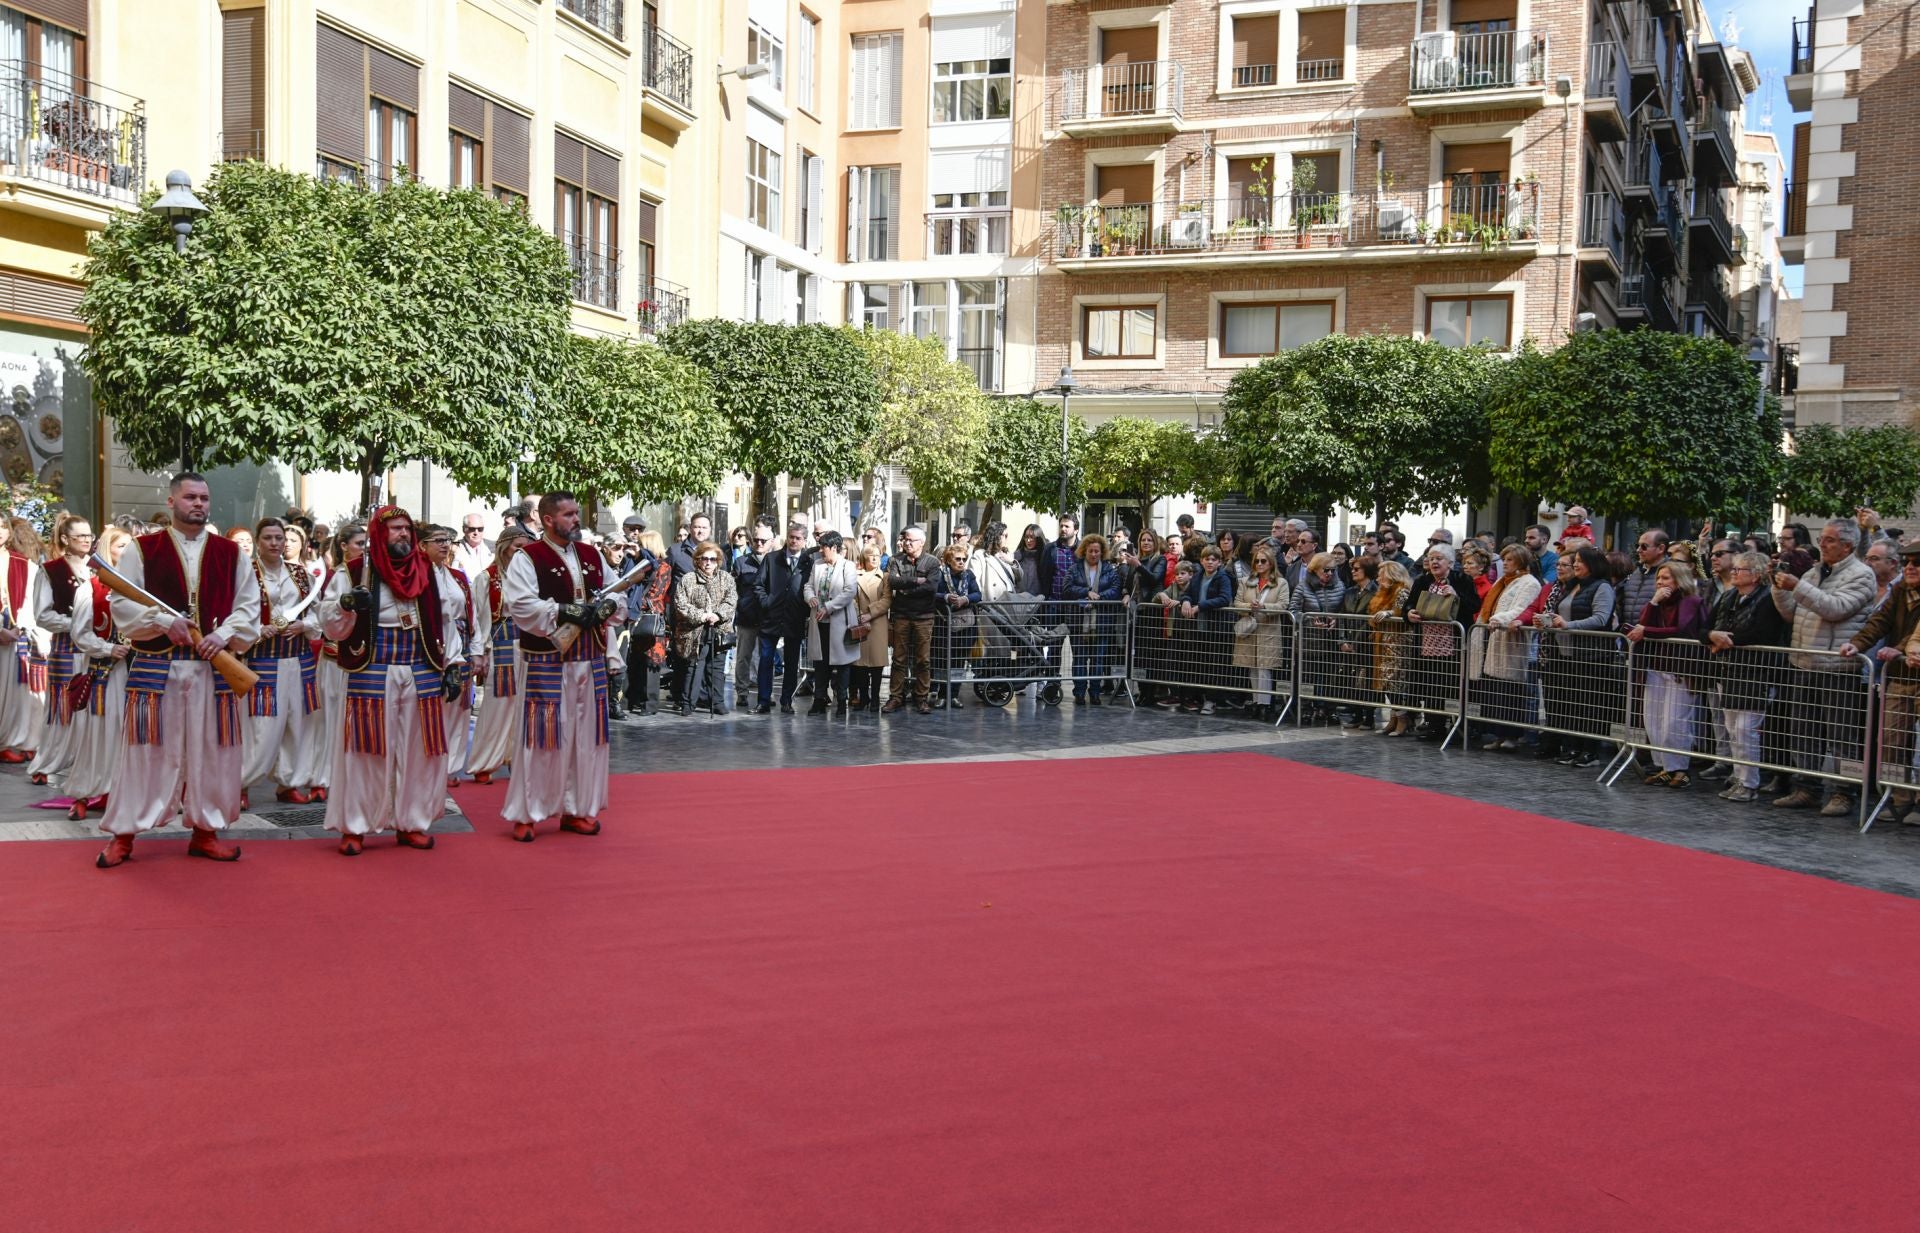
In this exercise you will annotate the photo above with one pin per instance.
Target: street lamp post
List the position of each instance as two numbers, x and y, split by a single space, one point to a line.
1067 385
1760 355
180 207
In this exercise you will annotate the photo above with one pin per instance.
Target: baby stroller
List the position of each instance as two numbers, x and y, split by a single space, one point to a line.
1018 647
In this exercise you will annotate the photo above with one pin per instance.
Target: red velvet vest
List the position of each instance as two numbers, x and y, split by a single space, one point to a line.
167 582
356 649
102 611
63 583
556 584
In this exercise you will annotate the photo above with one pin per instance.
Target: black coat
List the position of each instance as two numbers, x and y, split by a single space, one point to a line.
780 592
746 573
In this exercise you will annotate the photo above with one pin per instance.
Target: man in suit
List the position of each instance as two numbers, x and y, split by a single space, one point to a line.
778 592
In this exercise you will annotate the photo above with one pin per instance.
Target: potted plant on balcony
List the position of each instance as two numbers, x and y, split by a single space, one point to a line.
80 148
1070 223
1261 208
1305 176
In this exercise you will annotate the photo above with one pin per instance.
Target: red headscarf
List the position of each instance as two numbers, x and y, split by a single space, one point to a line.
409 575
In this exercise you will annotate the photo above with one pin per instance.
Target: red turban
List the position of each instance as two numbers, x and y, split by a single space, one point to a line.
407 576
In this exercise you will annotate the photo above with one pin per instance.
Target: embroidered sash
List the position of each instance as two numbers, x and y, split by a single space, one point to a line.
545 674
147 682
366 717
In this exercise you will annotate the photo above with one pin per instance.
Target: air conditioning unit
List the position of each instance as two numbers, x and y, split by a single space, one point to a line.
1395 220
1187 231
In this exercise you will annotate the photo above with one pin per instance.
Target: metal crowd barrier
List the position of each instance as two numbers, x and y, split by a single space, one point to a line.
1213 655
1895 740
1022 640
1568 685
1351 660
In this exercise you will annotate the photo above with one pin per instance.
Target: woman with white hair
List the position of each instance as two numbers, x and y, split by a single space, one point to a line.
1439 605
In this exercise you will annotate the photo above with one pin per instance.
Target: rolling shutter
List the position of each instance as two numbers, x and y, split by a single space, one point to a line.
511 151
243 82
603 174
467 111
393 79
340 123
569 159
649 222
69 13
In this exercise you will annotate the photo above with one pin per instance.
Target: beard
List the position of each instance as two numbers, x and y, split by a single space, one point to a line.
191 518
399 552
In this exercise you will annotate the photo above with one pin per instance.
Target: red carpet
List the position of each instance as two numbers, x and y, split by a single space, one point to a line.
1176 996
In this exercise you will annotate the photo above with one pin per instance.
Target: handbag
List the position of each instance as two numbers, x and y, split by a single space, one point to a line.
650 625
1246 626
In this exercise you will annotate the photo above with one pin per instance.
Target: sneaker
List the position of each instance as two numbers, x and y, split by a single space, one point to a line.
1568 758
1839 805
1206 708
1912 817
1719 770
1799 798
1509 745
1739 795
1587 760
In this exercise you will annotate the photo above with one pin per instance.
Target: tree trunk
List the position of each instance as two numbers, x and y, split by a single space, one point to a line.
1379 506
372 463
763 502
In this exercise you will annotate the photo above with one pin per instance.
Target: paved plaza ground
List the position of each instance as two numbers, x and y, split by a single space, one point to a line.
1147 743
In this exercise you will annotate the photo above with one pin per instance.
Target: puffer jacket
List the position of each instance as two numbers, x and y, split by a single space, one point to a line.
1827 612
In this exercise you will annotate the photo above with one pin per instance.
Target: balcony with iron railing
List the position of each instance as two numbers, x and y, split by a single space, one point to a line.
1453 71
240 145
1603 232
1715 159
1712 298
607 16
663 305
1144 97
78 137
1711 231
1609 91
984 363
968 233
1664 236
596 273
1253 229
666 67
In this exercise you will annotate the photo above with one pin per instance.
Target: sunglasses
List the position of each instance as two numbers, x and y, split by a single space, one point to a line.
709 560
471 530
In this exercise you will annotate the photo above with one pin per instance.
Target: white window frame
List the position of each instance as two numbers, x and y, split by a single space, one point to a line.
769 183
766 47
995 221
807 66
956 80
861 183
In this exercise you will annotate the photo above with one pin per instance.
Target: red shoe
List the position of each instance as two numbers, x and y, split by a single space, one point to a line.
317 793
118 850
413 839
293 796
37 779
350 845
579 825
243 799
523 832
453 781
98 802
207 843
13 757
483 777
77 811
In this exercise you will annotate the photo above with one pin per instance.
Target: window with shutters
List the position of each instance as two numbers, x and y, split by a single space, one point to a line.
873 214
243 84
391 153
765 47
763 186
812 223
367 115
982 304
873 82
1256 50
876 306
806 63
586 218
1321 48
965 90
487 146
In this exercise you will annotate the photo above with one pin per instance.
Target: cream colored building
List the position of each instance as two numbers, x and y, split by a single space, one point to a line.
590 111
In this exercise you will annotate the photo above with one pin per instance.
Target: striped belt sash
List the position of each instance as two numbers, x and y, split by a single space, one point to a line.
545 672
147 682
505 642
62 663
366 713
266 654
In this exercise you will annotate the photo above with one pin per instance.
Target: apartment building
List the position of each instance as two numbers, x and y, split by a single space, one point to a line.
1850 222
584 112
1225 180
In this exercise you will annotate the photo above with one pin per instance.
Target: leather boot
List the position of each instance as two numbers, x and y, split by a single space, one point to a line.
206 843
413 839
579 825
119 849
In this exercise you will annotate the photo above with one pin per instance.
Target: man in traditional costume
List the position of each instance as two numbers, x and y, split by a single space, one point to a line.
394 620
552 583
183 721
473 636
54 590
285 711
99 689
496 732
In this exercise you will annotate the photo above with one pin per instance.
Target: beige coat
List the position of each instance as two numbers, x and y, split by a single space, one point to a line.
1266 647
871 599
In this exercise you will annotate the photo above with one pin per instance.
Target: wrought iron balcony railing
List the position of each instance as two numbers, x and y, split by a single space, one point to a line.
663 305
596 273
608 16
1603 224
71 133
1141 91
666 66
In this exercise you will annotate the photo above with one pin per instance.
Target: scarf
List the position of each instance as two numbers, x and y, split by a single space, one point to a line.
408 576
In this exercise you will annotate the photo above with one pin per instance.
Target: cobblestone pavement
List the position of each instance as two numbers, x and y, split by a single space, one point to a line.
1887 858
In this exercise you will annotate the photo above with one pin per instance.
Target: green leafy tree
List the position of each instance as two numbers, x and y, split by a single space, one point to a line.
1142 459
1636 422
802 400
1376 421
1019 461
1834 471
631 421
327 327
933 417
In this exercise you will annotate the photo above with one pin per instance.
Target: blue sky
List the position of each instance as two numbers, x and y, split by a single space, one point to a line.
1765 31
